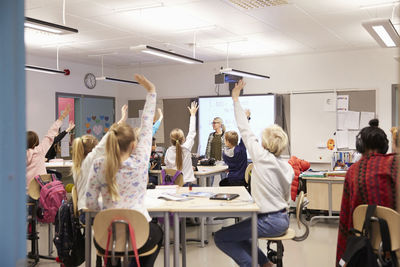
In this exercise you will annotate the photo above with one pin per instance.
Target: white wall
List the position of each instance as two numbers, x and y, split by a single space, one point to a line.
365 69
356 69
41 90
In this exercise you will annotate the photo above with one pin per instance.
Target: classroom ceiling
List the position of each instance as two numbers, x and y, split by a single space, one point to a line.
209 29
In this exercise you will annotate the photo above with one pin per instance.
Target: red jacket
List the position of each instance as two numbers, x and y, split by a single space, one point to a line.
298 166
371 180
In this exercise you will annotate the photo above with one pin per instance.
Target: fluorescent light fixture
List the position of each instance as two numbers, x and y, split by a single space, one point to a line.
383 32
110 79
48 26
243 73
46 70
166 54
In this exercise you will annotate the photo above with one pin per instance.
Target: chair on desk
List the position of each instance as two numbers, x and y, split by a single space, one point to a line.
171 176
277 256
120 229
247 176
393 221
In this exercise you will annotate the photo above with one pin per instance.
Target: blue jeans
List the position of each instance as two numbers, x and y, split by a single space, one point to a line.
235 240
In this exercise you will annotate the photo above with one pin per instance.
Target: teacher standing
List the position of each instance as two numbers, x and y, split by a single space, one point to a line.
216 142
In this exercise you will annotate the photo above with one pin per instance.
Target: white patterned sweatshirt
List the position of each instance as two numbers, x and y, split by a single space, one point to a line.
133 174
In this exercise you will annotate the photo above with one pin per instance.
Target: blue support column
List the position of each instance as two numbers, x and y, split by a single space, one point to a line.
12 134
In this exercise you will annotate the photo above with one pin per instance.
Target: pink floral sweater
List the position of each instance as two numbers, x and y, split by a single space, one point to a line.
133 174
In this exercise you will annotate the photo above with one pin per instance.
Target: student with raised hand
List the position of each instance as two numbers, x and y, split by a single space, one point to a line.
121 175
52 152
270 183
179 155
35 153
85 150
371 180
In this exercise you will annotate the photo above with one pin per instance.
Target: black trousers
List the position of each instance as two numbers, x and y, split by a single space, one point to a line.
228 182
155 238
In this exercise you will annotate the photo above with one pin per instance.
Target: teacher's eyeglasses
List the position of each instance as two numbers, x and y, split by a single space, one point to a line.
215 122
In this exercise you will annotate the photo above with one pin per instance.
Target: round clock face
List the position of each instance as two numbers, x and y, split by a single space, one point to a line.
90 80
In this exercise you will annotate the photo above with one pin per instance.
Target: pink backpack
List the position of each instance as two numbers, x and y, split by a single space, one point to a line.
52 195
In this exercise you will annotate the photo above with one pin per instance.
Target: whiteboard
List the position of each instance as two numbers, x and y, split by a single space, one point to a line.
262 109
312 123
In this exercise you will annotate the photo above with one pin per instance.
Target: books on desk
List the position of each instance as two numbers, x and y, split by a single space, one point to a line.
322 174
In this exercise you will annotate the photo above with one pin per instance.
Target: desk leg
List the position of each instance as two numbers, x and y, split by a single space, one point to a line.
202 230
88 240
166 239
183 241
254 255
176 240
330 198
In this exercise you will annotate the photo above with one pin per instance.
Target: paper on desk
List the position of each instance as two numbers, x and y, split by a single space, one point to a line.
65 146
342 103
352 139
342 139
365 118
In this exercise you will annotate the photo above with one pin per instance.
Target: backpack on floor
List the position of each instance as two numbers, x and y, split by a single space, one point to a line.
52 194
359 251
69 239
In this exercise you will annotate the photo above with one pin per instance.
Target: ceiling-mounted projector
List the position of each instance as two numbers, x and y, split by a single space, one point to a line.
226 78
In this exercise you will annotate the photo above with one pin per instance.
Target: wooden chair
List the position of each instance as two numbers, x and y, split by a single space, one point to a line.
392 218
120 244
247 176
290 233
34 193
179 179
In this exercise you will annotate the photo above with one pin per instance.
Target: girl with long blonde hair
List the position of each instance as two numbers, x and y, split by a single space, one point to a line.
121 175
85 150
178 156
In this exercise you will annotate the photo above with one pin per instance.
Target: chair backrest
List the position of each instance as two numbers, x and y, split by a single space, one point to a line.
392 218
300 217
247 174
34 187
179 179
75 200
103 220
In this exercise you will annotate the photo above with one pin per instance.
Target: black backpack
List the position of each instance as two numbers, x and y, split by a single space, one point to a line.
359 251
69 239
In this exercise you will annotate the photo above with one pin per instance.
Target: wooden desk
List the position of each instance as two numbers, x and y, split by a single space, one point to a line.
324 194
196 207
203 175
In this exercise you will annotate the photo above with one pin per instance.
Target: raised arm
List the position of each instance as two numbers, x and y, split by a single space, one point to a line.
143 147
157 124
47 141
250 140
192 126
100 149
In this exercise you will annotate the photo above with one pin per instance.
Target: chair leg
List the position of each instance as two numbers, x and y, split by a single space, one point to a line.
280 250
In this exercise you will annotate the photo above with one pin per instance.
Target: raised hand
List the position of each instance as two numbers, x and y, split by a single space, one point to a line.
236 91
248 113
65 113
160 114
193 108
71 126
145 83
124 114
